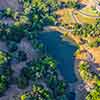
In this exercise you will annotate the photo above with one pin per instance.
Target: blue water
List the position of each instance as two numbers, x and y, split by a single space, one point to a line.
62 52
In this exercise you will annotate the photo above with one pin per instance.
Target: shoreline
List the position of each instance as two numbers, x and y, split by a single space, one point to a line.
72 86
77 70
70 37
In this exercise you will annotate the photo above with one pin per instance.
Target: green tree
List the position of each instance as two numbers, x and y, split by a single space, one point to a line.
94 94
12 46
22 82
21 56
3 58
3 84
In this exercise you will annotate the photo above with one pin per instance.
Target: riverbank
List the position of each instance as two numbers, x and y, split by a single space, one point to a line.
64 56
91 56
66 32
76 68
75 39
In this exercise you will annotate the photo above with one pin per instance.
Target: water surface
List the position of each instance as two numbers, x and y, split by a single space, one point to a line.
62 52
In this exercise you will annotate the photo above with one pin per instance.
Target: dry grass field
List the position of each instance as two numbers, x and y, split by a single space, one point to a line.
89 10
63 1
66 0
84 18
96 53
66 16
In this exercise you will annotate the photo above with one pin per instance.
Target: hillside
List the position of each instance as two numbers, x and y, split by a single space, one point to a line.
49 50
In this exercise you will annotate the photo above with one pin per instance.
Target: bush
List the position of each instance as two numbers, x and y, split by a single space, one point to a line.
21 56
93 44
22 82
72 4
27 72
3 58
3 84
94 94
12 46
16 33
8 12
38 93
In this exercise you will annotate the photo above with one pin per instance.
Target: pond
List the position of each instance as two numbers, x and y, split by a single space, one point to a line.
62 51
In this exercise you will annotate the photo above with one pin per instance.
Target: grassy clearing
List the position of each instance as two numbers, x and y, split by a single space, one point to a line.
66 0
89 11
66 16
63 1
85 19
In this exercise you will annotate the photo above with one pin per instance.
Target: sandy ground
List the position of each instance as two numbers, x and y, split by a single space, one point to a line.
96 53
64 32
66 16
91 55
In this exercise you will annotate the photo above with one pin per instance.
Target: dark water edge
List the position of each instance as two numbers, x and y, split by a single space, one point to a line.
62 52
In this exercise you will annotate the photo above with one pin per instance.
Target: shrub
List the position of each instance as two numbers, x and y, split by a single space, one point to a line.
21 56
12 46
3 57
22 82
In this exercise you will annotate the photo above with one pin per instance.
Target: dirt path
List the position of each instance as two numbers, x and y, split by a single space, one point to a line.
75 18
